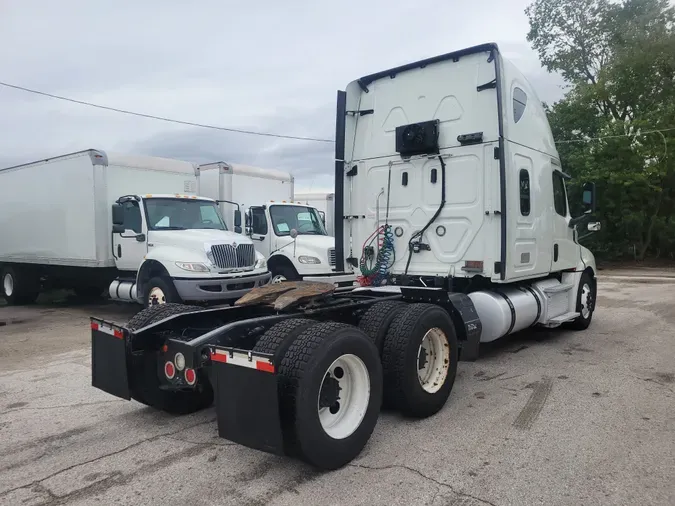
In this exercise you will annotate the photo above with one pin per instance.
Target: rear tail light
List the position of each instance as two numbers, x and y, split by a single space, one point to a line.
169 370
190 376
179 359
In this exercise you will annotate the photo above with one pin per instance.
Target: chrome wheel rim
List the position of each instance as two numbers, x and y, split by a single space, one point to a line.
156 296
344 396
279 278
8 284
586 301
433 360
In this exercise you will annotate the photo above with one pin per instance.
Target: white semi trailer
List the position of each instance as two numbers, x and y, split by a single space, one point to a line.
452 207
133 226
289 233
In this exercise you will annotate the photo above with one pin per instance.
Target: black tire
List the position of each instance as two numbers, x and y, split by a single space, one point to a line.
145 387
166 285
287 271
403 389
581 322
279 338
25 286
302 371
156 313
376 321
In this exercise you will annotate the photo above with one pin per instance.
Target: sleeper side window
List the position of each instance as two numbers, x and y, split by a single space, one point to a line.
519 104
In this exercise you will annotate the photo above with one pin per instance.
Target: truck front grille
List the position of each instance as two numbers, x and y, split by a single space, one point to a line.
227 256
331 257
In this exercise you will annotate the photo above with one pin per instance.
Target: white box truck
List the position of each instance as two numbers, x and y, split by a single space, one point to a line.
324 202
131 225
290 234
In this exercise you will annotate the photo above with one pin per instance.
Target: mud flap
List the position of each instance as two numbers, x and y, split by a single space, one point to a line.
109 358
247 402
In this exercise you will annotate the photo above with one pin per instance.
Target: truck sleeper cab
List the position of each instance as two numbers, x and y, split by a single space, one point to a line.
453 246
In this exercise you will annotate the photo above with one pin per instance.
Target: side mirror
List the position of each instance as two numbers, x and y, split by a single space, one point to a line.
594 227
237 219
118 215
293 233
588 197
237 230
118 229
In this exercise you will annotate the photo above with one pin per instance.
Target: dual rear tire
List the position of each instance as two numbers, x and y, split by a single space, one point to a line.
332 381
330 389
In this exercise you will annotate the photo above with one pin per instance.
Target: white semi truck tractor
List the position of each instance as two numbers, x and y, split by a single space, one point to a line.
450 205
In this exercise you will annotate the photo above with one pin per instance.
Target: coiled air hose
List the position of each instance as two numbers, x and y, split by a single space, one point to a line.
375 273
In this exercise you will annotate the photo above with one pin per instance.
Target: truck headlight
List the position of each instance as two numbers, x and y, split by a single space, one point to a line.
308 260
192 266
261 263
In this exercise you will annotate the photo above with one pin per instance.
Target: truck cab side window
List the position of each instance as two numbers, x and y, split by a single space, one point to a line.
258 221
559 197
132 216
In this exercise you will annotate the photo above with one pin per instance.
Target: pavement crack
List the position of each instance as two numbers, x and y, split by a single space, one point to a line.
652 380
38 482
204 443
61 406
424 476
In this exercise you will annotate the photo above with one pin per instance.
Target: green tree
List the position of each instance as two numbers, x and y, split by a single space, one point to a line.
619 61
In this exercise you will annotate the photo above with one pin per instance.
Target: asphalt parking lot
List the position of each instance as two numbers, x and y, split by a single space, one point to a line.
543 417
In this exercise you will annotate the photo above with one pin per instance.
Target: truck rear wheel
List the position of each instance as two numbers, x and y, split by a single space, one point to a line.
156 313
376 321
160 290
419 360
19 286
332 380
278 339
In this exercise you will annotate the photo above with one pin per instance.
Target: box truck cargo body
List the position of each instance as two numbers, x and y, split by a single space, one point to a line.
290 234
56 225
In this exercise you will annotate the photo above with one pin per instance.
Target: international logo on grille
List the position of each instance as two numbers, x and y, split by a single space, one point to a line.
234 244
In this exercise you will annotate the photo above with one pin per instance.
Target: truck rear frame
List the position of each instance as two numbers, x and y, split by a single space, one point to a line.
217 350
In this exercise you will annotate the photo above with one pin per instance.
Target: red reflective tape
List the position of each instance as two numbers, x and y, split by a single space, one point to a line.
219 357
118 334
264 366
94 326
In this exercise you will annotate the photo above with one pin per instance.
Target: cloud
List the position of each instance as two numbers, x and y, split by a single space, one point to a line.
266 66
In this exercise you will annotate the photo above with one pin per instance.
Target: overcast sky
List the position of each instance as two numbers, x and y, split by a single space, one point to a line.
265 66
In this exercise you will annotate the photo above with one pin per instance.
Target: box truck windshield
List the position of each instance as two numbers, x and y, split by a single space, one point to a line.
305 220
178 214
